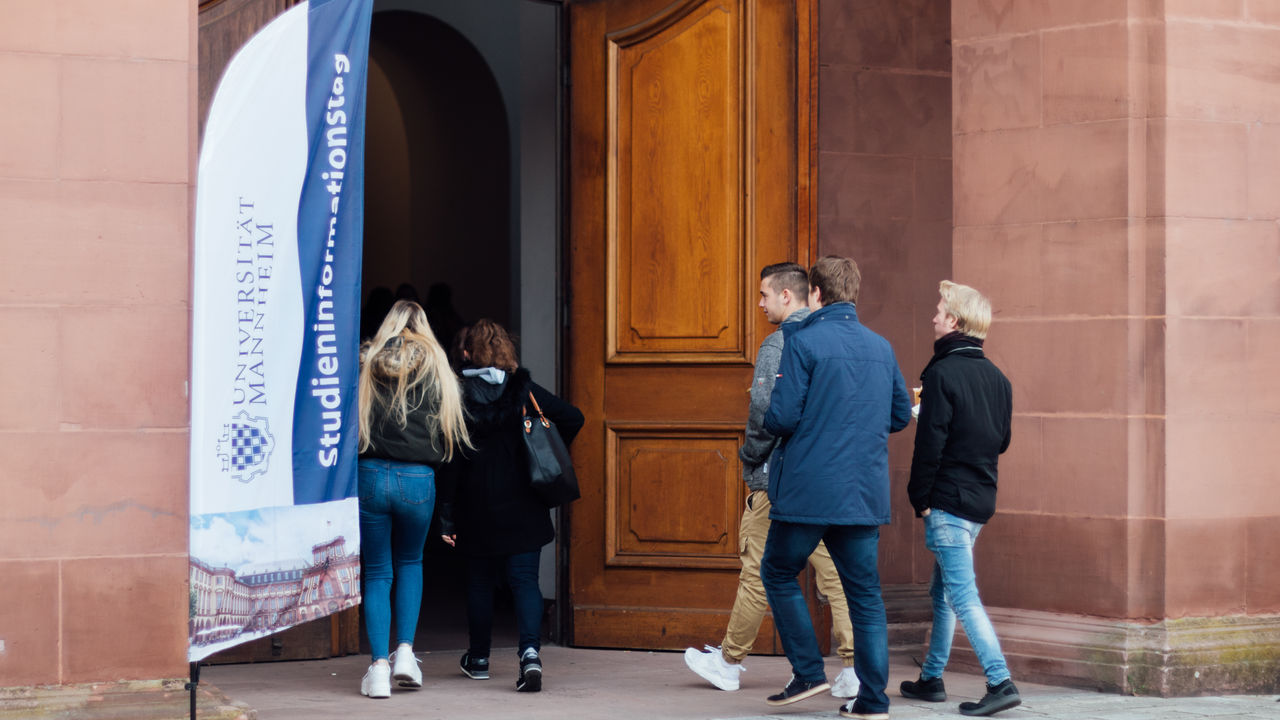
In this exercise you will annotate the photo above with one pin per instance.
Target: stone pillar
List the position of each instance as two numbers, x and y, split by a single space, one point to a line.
1116 194
96 191
884 199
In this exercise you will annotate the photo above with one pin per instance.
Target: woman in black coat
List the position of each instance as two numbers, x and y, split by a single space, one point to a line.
490 513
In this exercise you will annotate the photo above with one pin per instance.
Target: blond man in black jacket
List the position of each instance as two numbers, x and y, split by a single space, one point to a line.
966 409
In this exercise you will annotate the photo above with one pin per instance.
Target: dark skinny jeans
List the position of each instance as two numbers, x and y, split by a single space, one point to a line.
521 572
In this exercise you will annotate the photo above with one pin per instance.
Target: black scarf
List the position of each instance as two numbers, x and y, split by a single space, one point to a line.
949 343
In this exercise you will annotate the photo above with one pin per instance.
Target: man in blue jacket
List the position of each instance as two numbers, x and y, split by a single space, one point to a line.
838 395
784 297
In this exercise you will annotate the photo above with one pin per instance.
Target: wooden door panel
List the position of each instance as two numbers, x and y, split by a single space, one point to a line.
675 245
665 628
682 184
705 393
659 468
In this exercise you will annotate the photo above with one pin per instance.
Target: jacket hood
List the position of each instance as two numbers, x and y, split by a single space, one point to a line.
797 316
491 406
395 357
491 375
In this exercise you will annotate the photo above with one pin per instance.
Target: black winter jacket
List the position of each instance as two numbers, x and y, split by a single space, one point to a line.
419 441
486 491
966 410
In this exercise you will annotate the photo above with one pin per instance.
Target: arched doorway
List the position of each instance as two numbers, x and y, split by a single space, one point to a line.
438 171
463 196
437 219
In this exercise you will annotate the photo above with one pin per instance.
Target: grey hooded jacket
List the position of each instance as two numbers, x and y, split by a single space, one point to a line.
759 444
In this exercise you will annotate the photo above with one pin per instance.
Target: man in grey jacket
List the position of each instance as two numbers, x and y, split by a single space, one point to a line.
784 292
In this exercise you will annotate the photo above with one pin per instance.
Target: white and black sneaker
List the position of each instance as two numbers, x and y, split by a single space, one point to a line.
530 679
474 667
797 690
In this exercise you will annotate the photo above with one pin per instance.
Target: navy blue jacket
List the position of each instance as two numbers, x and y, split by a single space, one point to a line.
838 395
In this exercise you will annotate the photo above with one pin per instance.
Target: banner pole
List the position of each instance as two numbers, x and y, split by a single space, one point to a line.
192 684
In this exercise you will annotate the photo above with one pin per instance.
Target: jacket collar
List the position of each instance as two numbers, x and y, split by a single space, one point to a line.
841 311
834 311
953 343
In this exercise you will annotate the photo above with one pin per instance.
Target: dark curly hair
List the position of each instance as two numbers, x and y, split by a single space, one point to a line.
486 344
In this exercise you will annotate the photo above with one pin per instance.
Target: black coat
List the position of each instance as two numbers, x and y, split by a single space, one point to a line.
486 490
966 409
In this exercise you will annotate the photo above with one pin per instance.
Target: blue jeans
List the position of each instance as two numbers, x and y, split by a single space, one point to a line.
854 550
521 571
396 501
955 592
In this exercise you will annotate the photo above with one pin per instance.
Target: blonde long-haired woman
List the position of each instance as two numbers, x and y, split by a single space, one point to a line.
411 422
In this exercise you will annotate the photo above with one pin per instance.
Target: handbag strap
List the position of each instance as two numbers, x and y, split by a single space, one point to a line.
542 418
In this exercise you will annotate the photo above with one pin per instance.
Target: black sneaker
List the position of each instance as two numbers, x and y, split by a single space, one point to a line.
998 697
530 679
798 690
926 689
473 667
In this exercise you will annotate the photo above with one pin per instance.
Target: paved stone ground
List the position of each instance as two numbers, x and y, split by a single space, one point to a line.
626 685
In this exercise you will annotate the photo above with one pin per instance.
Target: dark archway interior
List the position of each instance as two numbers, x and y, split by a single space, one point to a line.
437 220
438 173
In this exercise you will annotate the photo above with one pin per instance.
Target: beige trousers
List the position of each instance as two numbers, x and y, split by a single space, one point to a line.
750 604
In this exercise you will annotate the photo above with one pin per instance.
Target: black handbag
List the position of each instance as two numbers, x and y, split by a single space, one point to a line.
550 469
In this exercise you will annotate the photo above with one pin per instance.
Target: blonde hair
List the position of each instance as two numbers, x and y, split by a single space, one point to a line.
970 308
402 356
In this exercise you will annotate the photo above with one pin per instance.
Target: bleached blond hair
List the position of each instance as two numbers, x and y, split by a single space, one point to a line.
970 308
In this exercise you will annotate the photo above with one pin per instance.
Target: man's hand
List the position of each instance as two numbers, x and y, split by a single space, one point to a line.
923 513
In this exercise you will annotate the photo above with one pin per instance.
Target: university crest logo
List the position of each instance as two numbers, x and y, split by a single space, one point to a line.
245 447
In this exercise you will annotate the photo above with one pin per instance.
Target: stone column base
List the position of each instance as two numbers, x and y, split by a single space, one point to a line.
1169 658
136 700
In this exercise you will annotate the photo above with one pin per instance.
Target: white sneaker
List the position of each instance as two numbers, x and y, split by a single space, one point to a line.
846 684
405 669
711 665
377 681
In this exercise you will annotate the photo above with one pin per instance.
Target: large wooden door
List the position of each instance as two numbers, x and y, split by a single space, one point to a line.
685 135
